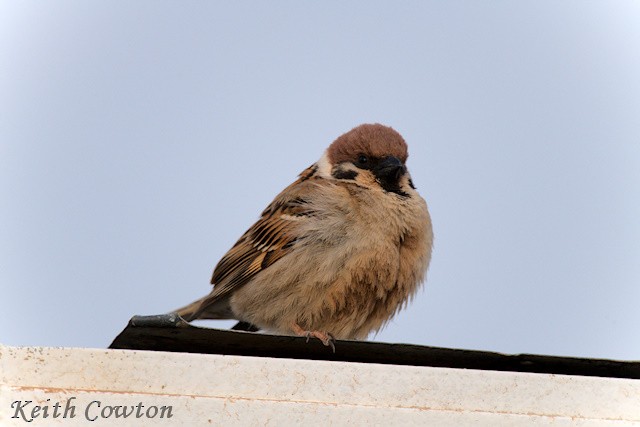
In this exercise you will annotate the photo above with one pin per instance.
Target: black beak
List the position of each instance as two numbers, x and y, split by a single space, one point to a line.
389 170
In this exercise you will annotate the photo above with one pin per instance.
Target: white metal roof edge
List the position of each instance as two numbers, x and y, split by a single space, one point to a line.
162 375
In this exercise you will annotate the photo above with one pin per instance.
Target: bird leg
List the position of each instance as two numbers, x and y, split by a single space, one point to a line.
326 338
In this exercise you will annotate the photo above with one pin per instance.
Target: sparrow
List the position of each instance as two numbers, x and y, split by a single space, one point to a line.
336 254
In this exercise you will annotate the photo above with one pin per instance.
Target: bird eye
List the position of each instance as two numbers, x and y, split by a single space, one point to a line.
362 159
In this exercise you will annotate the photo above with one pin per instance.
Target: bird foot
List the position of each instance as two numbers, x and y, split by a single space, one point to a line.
326 338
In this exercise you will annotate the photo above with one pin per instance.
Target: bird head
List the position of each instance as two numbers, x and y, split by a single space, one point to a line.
370 155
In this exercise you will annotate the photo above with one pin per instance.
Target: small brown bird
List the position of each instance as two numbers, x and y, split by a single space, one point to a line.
336 254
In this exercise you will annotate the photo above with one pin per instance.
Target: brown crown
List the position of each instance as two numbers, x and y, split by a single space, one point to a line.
373 140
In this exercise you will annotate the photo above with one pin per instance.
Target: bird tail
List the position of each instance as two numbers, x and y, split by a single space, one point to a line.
190 312
208 307
202 309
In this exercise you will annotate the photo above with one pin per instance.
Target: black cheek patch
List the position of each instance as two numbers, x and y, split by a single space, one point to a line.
399 192
393 187
344 174
411 184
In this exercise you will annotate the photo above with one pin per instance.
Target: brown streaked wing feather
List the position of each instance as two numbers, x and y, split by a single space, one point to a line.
268 240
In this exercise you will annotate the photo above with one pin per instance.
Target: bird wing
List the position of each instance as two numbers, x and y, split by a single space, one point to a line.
268 240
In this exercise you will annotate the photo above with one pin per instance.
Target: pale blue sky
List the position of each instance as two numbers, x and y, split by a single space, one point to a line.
139 140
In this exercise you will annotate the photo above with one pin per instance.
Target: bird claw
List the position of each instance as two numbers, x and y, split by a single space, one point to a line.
331 343
326 338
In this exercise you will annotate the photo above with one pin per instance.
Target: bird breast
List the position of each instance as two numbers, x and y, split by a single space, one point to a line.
359 259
